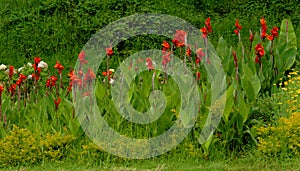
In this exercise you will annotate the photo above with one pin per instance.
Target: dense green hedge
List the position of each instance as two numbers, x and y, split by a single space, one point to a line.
59 29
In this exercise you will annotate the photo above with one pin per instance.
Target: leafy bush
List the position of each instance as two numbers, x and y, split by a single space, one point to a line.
281 137
22 147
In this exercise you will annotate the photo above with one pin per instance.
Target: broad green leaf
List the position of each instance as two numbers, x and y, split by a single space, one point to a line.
287 33
243 109
229 103
222 48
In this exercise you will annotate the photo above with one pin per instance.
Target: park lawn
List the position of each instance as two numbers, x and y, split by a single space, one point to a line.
175 163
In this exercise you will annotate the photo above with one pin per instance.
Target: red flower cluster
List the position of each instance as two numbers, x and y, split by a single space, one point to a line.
274 33
166 47
107 74
57 102
37 70
251 38
188 52
12 89
260 52
238 27
59 67
198 75
199 56
263 28
11 71
51 82
81 57
149 64
22 77
89 76
206 29
109 52
1 90
179 38
166 58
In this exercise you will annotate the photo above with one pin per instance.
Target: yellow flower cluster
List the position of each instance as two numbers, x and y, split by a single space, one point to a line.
21 147
283 138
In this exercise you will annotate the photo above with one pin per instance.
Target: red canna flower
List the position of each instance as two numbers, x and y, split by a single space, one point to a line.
81 57
263 28
198 75
204 32
257 60
259 50
11 71
274 33
179 38
22 77
12 89
106 73
109 51
59 67
208 26
237 26
37 60
188 52
199 54
206 29
57 102
251 38
89 76
166 58
149 64
165 45
1 90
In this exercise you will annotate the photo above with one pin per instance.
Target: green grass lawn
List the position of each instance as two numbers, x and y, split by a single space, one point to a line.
175 163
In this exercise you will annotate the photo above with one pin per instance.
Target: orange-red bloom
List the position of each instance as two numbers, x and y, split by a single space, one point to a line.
149 64
274 33
198 75
81 57
165 45
22 77
263 28
208 26
1 90
199 54
237 26
57 102
188 52
37 60
179 38
204 32
109 51
12 89
59 67
11 71
89 76
166 58
251 38
259 50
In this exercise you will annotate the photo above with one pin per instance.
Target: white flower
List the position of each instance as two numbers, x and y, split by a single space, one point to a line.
29 64
111 70
3 67
111 81
20 69
43 64
29 77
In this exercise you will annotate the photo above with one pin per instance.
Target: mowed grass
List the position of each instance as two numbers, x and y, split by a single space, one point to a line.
174 164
